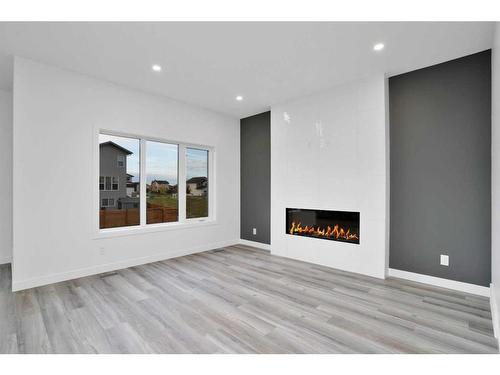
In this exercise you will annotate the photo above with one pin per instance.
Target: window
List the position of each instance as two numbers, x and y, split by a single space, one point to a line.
108 183
120 206
107 202
169 183
162 198
196 183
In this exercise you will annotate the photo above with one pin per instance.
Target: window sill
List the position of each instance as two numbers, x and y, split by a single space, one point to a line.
152 228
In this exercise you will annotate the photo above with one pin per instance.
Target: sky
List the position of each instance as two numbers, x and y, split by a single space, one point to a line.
196 163
161 159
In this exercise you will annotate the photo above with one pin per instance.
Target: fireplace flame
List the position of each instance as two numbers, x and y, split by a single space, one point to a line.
336 232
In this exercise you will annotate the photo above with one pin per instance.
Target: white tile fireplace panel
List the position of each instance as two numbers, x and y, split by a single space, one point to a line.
339 126
360 258
371 143
371 189
368 95
330 153
335 193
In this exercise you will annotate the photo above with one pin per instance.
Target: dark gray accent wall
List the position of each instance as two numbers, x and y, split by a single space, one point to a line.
256 177
440 147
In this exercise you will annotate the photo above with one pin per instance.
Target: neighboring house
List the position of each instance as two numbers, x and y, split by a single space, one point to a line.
173 190
113 177
197 186
159 186
133 189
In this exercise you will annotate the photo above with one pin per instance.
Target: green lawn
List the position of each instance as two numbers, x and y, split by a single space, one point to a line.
196 206
165 200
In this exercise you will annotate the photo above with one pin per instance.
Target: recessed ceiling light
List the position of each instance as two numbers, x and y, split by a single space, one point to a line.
378 47
156 68
239 98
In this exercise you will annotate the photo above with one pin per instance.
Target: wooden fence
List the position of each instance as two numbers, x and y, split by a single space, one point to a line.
160 214
127 217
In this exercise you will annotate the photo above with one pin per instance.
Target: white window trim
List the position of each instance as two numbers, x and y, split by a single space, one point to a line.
142 228
210 186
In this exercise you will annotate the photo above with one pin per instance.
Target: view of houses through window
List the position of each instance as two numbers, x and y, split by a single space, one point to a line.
196 183
119 182
161 182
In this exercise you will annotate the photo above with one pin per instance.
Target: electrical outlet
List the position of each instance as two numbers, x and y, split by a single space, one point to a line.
254 231
445 260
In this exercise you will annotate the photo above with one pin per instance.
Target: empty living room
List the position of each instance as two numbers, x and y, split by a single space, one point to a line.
258 186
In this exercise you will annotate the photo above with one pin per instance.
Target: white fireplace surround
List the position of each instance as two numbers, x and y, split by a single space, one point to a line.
330 152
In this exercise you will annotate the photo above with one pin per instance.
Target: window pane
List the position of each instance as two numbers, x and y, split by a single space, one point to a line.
120 197
196 183
161 182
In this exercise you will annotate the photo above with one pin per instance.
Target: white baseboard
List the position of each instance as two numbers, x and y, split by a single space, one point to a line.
258 245
495 317
5 260
443 283
108 267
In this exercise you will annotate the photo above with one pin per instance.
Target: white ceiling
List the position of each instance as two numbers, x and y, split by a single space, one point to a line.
208 64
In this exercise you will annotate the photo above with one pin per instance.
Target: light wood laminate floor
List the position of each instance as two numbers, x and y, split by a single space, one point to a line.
240 300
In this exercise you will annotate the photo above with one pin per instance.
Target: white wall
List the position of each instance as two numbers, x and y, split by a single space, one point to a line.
55 116
495 179
329 151
6 176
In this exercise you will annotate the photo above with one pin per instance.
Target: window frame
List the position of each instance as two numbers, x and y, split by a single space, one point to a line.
111 183
108 202
143 227
146 140
120 159
108 186
195 219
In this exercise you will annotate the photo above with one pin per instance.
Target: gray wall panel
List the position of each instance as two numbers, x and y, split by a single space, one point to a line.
256 177
440 141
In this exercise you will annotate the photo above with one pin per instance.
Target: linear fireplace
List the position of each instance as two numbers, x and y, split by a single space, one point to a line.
327 225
